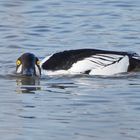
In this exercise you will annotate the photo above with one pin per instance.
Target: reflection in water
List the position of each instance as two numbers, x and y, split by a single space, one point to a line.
62 85
28 84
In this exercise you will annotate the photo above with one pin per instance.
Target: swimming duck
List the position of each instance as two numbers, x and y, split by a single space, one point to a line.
80 61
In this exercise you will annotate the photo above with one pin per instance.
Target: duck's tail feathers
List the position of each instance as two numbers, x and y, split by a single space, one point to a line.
134 63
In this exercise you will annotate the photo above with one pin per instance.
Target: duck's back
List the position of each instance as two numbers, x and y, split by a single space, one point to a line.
91 61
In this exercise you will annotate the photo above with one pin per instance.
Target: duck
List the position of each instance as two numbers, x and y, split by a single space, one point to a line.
79 61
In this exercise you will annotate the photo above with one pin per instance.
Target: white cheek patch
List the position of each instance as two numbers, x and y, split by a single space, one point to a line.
19 69
37 70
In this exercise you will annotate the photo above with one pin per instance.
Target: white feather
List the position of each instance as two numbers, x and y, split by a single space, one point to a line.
102 65
117 67
82 66
57 72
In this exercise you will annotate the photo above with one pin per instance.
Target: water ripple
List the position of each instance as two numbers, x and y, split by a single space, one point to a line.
68 107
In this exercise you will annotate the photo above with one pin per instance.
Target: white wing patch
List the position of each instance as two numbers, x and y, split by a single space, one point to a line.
102 64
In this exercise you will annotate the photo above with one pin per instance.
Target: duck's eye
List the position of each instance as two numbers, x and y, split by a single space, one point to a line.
18 62
38 62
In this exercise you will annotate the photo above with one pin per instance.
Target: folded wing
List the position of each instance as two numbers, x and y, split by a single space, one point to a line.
101 64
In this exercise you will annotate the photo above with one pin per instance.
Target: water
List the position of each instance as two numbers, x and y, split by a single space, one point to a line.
68 107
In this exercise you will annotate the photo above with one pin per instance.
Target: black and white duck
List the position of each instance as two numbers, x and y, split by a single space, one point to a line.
80 61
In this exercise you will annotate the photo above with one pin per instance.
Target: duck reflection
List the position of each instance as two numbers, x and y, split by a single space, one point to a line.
28 84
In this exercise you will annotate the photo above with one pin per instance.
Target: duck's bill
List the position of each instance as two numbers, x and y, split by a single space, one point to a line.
28 72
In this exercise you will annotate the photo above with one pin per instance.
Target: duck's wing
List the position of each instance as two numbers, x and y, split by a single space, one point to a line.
84 60
102 64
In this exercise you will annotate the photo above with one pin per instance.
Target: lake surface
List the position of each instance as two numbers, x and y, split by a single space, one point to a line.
68 107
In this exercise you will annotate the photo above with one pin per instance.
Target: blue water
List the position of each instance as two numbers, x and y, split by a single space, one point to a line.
68 107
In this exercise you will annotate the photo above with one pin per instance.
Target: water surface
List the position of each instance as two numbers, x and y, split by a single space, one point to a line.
68 107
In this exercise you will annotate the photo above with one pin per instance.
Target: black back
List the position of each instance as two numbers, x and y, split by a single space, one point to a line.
64 60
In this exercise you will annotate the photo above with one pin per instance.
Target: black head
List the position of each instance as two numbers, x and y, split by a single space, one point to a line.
28 65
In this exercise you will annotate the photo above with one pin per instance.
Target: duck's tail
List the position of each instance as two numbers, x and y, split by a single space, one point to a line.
134 63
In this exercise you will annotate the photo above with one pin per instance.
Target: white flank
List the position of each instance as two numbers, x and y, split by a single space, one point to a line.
82 66
117 67
107 64
57 72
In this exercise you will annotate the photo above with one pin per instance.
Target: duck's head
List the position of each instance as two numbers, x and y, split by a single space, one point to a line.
28 65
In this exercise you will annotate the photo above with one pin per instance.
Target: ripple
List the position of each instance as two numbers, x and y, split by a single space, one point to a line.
68 107
27 117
